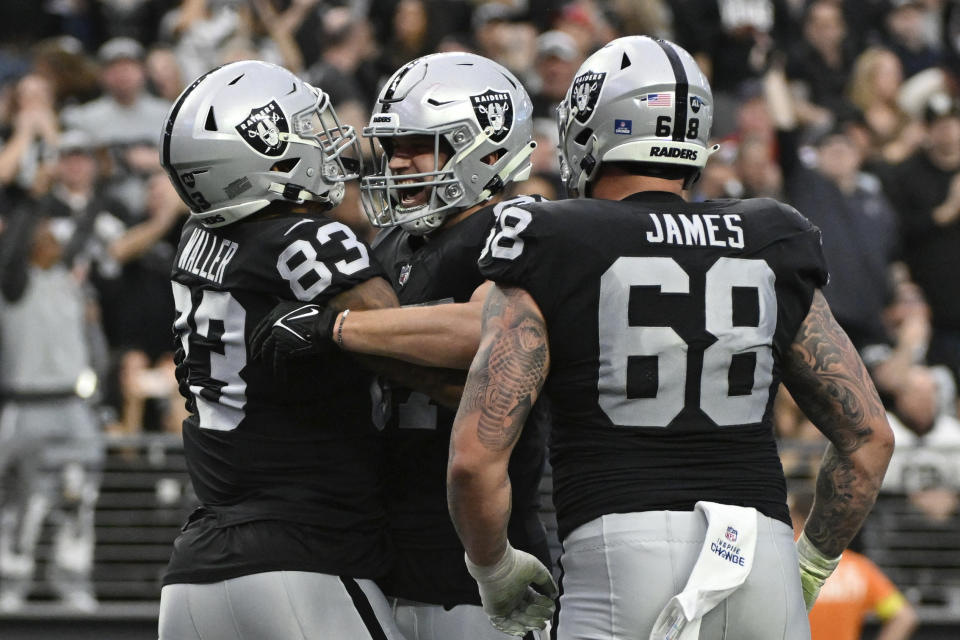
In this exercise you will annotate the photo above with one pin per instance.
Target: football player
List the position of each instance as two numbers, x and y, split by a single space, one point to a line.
660 330
450 131
291 529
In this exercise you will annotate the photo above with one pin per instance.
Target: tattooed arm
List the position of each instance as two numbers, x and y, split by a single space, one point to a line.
831 385
503 383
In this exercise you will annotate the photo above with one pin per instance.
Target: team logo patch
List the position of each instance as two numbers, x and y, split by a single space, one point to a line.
731 534
262 128
695 104
404 274
494 111
584 94
624 127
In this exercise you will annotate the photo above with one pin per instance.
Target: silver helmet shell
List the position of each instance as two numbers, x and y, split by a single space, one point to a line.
638 99
472 107
249 133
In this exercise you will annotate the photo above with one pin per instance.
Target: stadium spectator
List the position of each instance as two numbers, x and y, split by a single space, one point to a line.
556 63
909 38
501 33
127 113
72 73
846 203
410 36
856 589
924 464
760 175
136 308
874 88
925 189
821 62
163 73
29 145
731 41
198 30
345 64
907 321
50 442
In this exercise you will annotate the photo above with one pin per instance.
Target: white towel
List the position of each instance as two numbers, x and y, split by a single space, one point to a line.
723 565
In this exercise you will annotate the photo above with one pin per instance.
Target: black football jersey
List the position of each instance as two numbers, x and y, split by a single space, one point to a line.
300 449
667 323
429 564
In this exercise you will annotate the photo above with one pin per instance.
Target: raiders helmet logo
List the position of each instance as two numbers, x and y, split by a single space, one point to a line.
262 128
584 93
494 111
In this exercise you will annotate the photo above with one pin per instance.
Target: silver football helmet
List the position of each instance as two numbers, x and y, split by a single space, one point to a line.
248 133
471 107
638 99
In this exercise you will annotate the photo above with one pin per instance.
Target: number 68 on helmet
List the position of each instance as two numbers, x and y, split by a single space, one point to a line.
250 133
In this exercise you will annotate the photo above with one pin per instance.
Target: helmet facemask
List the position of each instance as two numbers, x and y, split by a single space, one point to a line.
430 195
471 109
320 128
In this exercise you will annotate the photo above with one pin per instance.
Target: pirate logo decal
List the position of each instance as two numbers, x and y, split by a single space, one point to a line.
586 90
494 111
262 128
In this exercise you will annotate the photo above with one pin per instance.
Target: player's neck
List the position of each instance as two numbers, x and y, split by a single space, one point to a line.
618 186
466 213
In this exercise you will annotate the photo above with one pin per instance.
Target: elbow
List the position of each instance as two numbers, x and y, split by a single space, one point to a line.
873 458
461 470
885 443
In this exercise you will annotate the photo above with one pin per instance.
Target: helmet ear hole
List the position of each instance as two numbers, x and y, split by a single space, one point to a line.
285 166
211 123
493 158
583 137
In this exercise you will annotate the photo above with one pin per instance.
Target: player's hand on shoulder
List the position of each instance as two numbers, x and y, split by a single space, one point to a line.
517 592
291 332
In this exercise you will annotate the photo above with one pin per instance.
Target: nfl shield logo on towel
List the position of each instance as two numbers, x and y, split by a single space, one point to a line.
731 534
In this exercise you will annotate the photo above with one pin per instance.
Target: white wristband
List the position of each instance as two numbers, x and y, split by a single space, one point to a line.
813 560
495 571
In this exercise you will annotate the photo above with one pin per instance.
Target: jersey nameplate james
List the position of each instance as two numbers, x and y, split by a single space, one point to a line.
705 230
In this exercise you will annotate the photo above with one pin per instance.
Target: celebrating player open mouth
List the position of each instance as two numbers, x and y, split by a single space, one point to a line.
412 195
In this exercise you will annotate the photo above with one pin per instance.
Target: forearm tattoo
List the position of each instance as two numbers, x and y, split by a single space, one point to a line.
830 383
509 370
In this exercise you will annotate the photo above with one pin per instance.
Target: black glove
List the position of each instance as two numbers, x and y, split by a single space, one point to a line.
292 332
182 373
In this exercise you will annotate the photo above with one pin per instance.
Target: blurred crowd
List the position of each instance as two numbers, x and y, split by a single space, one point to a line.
847 109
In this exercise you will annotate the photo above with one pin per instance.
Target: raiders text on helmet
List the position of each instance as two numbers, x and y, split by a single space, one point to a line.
635 100
249 133
472 107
